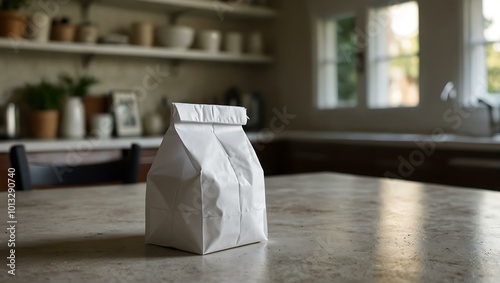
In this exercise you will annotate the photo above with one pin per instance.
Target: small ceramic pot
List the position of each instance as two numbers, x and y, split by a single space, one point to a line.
87 34
63 32
12 24
44 123
102 125
234 42
210 40
255 43
142 34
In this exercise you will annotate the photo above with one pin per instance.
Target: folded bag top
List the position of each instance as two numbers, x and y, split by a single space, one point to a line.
210 114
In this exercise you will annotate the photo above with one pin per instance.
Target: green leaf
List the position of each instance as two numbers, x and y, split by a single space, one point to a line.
43 96
14 4
77 87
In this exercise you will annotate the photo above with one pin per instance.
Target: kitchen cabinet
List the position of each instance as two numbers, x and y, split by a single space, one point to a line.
215 8
303 156
458 167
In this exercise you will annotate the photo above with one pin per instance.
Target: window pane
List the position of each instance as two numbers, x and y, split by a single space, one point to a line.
491 21
493 66
393 56
346 66
346 39
346 77
403 85
402 29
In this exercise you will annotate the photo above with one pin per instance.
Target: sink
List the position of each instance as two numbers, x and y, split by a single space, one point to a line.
476 125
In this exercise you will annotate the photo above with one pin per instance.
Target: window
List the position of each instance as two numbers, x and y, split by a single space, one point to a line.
484 49
393 56
336 86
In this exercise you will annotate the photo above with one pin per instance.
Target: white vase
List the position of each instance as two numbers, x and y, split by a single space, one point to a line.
73 118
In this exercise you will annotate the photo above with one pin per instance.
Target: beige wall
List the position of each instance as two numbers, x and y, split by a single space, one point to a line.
440 54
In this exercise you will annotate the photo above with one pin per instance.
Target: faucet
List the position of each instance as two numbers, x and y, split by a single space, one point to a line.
449 93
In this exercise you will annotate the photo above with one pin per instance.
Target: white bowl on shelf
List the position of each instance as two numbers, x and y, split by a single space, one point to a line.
179 37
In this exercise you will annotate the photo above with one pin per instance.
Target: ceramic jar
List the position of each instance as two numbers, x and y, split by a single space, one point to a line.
142 34
255 43
210 40
12 24
233 42
102 125
87 34
63 32
44 123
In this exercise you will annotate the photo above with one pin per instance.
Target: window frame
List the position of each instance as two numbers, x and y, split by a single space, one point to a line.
475 75
323 98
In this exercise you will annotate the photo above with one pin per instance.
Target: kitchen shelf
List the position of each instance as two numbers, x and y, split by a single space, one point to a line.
211 6
130 50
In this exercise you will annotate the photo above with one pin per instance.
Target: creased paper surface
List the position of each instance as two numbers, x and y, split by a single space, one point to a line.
205 189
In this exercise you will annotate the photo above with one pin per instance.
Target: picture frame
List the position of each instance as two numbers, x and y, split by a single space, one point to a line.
125 107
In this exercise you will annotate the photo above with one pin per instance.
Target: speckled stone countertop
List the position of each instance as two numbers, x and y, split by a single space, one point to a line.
322 227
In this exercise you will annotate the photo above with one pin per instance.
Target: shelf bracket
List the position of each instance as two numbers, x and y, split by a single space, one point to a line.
86 60
174 67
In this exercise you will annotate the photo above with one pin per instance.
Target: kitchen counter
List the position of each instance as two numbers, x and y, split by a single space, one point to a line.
322 228
443 141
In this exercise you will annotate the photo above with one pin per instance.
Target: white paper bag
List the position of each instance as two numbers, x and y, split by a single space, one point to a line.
205 190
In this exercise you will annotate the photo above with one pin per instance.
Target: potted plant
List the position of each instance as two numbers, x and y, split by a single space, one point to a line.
12 21
75 115
44 99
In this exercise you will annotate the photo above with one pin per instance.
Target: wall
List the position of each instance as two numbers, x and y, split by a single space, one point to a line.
191 81
440 55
